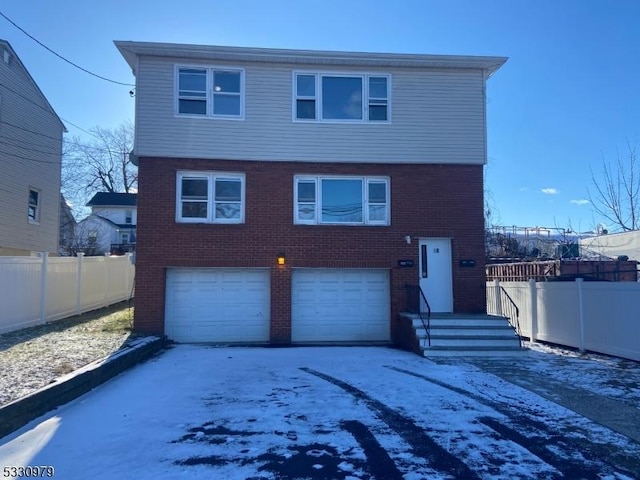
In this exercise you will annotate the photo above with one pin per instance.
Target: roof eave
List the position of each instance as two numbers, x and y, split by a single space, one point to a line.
131 50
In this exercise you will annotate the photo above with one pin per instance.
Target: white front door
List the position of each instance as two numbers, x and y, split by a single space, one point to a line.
435 273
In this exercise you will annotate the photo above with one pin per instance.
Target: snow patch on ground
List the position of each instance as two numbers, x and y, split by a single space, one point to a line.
322 413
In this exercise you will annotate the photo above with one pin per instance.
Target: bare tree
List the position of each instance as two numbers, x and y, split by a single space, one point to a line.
100 164
616 195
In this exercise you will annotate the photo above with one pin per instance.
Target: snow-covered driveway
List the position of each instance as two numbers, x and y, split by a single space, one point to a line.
319 413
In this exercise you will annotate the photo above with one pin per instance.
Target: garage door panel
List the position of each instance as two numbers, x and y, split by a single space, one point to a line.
217 305
341 305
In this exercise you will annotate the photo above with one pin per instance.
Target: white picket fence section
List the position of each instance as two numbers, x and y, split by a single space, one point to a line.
36 290
601 317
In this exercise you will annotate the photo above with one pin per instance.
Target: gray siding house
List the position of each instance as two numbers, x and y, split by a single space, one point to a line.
30 162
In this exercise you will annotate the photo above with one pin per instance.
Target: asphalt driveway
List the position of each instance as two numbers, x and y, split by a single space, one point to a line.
319 413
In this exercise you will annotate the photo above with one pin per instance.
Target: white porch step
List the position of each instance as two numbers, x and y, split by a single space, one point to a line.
472 334
462 321
466 331
470 341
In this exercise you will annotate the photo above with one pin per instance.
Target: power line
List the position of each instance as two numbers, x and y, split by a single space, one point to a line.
30 159
80 128
47 110
60 56
66 142
2 122
30 149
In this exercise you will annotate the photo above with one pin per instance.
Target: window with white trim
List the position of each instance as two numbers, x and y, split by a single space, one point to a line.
210 92
210 197
337 200
33 211
341 97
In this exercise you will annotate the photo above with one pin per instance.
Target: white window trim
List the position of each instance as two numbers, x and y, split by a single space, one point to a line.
209 91
317 180
36 220
211 178
318 97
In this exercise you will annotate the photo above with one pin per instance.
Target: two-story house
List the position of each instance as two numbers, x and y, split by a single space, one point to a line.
288 196
111 226
30 162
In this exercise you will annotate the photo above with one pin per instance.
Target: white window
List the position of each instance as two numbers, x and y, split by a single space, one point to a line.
341 200
34 206
128 217
210 197
341 97
210 92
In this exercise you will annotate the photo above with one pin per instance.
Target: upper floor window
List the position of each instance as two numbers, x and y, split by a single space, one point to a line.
341 200
210 197
128 217
341 97
34 206
210 92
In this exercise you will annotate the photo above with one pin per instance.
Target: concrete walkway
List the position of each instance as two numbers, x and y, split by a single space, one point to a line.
615 414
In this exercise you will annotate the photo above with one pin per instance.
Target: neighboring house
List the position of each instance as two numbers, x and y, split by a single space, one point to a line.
67 228
289 196
111 226
30 162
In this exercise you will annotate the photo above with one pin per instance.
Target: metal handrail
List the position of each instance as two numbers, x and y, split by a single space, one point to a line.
426 326
513 305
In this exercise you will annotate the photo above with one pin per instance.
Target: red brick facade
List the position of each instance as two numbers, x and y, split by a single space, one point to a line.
426 201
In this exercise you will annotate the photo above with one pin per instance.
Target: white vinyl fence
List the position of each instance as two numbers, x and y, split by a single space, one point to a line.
35 290
601 317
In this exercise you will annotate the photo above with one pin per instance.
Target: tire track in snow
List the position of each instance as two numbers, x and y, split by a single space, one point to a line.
538 445
422 444
378 460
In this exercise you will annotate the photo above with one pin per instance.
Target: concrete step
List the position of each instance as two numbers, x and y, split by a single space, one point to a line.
466 331
483 321
472 351
471 341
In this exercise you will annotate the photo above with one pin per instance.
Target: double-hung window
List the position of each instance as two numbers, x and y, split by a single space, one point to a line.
33 211
210 92
341 200
210 197
341 97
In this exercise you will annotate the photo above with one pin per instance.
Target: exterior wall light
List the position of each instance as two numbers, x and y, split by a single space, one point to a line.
281 259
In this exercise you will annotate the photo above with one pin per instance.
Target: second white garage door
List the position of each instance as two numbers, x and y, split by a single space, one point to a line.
217 305
340 305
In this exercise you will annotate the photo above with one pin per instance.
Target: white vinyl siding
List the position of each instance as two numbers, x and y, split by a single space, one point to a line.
31 151
438 117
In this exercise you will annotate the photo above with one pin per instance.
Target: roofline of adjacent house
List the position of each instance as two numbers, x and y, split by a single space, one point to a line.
119 226
132 50
6 44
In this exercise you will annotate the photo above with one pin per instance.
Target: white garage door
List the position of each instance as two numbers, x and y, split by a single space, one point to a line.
340 305
217 305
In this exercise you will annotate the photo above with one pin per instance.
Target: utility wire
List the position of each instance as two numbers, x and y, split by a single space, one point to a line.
2 122
22 147
80 128
30 159
65 142
60 56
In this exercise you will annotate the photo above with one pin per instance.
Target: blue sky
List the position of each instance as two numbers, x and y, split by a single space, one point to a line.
568 97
